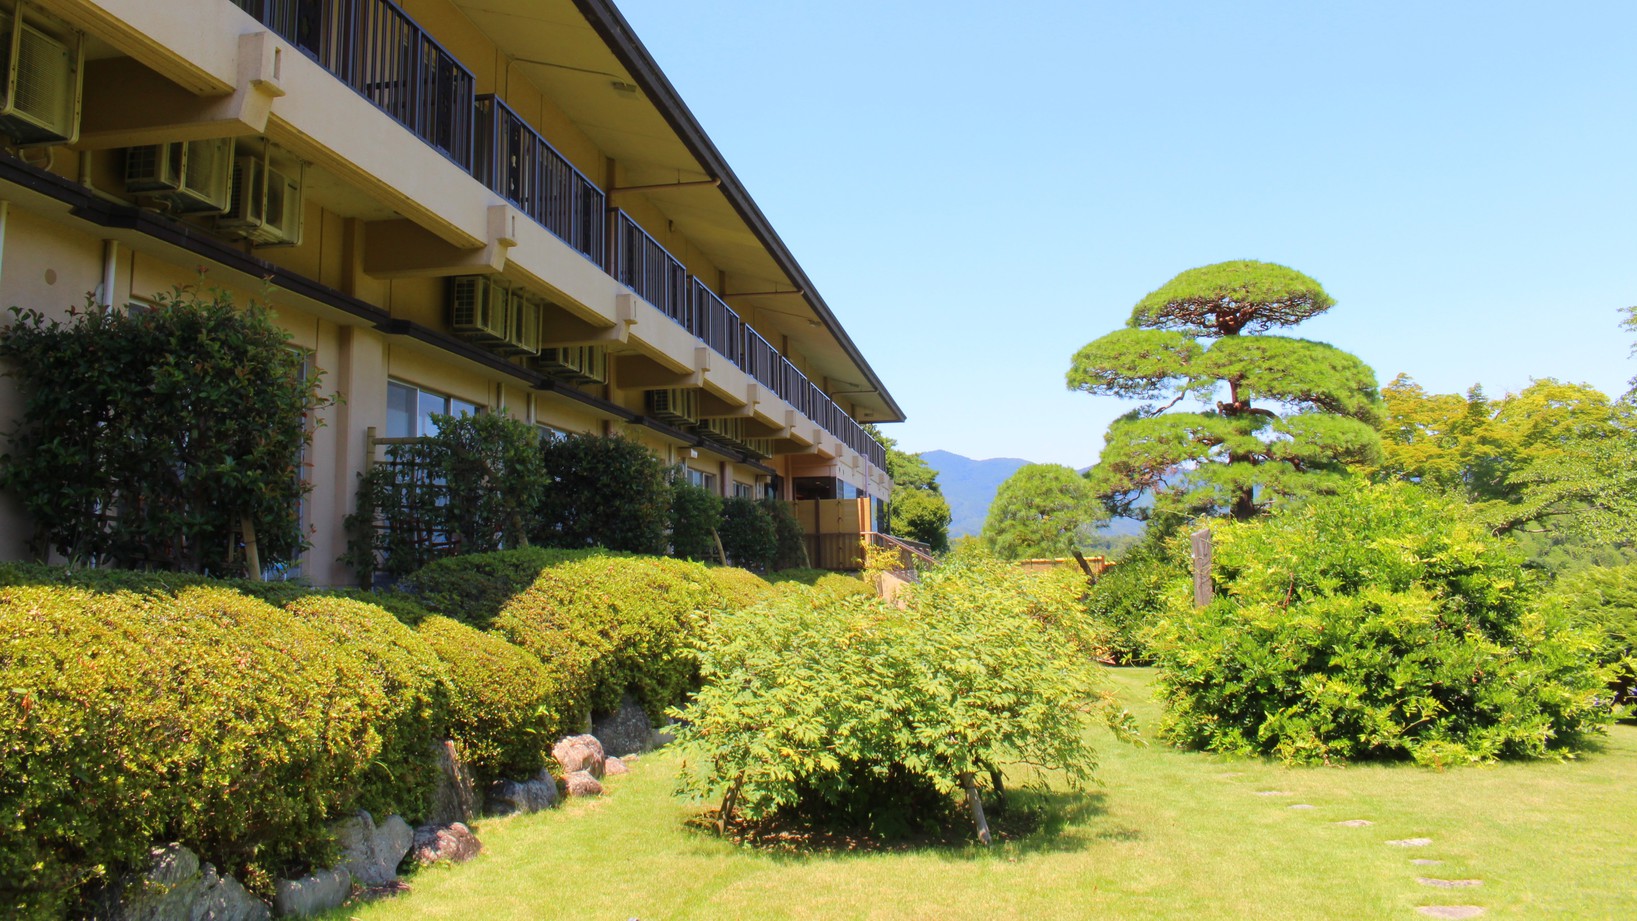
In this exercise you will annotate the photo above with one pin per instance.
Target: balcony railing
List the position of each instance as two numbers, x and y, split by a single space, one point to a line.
637 261
716 324
516 162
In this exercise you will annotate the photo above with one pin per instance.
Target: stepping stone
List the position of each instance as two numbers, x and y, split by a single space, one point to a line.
1424 862
1450 911
1410 842
1302 806
1356 823
1449 883
1272 792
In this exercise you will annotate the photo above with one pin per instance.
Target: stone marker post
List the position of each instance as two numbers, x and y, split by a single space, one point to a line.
1201 541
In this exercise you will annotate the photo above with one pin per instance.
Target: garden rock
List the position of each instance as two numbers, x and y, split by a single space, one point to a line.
1449 883
507 797
372 853
624 731
177 887
436 843
455 797
581 783
615 766
580 753
1450 911
1410 842
313 894
1356 823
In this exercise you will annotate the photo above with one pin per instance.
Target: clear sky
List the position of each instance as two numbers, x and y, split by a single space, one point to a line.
978 189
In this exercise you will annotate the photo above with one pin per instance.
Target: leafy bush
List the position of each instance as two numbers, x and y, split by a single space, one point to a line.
207 718
140 443
473 588
695 514
607 626
749 536
1605 600
1127 601
738 588
504 710
841 706
789 540
1380 622
605 491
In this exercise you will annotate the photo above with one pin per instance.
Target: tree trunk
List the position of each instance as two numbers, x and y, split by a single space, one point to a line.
976 804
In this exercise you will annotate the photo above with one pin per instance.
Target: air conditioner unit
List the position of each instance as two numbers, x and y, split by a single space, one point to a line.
43 76
727 431
266 204
583 364
192 177
522 325
479 306
760 446
676 406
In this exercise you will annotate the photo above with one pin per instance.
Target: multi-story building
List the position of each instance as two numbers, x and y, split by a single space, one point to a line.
451 205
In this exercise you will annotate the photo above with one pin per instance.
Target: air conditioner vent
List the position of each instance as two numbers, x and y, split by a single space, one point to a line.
190 177
266 202
42 78
582 364
479 307
676 406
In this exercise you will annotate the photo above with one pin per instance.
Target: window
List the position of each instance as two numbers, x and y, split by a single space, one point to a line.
743 490
702 479
410 410
551 432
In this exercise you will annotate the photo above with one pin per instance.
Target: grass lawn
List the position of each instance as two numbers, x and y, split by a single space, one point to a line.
1168 835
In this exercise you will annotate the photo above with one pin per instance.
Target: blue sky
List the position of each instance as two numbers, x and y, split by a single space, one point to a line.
977 190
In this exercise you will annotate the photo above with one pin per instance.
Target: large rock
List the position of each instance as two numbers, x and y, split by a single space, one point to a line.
506 797
614 766
579 753
624 731
313 894
372 853
455 798
581 783
435 843
178 888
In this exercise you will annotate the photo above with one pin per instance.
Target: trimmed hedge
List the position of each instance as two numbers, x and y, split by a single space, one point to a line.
739 588
611 625
208 718
504 710
475 587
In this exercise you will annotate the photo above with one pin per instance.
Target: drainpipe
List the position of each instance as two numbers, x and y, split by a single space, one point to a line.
110 263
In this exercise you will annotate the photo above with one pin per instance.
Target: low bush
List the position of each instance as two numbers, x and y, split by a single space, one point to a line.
609 626
1604 599
475 587
1377 623
504 708
739 588
208 718
836 706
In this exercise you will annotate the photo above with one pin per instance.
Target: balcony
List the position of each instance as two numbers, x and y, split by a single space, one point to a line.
514 161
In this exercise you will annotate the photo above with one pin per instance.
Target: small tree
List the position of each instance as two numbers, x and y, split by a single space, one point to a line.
1042 510
1196 336
749 536
696 513
789 540
604 491
917 509
151 439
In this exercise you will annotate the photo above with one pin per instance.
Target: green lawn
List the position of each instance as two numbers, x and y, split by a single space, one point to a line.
1168 835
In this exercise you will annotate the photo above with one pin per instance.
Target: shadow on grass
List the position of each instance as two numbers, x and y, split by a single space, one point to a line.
1031 822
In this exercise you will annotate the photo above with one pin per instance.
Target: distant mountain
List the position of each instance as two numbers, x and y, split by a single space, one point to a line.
970 486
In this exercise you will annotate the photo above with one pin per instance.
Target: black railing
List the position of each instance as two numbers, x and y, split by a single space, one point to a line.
637 261
716 324
517 163
762 362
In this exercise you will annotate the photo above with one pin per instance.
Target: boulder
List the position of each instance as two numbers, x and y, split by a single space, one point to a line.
615 766
372 853
579 753
313 894
435 843
177 887
455 797
624 731
581 783
506 797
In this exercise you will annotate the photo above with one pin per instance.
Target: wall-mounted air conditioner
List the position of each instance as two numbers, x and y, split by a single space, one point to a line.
522 325
677 406
42 73
192 177
479 307
730 431
583 364
759 446
266 204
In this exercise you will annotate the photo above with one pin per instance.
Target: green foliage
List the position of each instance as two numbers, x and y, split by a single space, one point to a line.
504 710
605 491
1043 511
838 706
1381 622
739 588
917 510
1604 600
789 540
147 439
696 513
1127 601
607 626
208 718
1232 456
473 486
475 588
749 536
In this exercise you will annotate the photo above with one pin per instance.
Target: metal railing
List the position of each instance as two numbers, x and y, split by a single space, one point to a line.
512 159
637 261
717 324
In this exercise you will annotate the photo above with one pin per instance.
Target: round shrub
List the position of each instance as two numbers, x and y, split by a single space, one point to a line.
789 540
1604 600
749 536
1377 623
609 626
695 514
473 588
207 718
603 491
504 708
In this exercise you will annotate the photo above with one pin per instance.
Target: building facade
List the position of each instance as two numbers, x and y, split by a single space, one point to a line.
451 206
